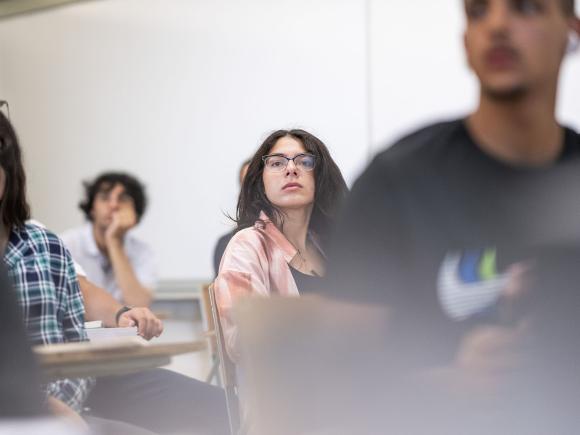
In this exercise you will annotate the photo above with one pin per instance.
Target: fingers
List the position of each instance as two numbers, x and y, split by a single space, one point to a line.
126 321
518 281
127 217
113 227
148 324
489 348
122 221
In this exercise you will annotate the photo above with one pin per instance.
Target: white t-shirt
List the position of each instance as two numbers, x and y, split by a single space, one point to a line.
97 267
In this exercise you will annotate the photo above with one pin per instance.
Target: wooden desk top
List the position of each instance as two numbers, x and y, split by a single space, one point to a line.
111 357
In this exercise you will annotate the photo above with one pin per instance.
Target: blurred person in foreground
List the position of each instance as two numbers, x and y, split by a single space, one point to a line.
21 399
43 275
286 210
467 232
20 392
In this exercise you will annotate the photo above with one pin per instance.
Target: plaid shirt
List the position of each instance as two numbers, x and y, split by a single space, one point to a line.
43 276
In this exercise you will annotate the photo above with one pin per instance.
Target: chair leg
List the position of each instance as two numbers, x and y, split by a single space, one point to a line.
214 372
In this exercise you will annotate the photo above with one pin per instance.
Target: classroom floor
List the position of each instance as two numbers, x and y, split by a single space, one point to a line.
196 365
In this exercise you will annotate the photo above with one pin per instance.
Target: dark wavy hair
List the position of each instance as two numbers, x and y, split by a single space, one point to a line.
330 187
569 7
13 205
106 182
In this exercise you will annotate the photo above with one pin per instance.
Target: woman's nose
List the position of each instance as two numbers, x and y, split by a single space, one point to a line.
291 168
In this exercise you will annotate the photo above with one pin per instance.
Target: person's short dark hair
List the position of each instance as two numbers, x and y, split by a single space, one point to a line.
569 7
330 187
13 205
106 182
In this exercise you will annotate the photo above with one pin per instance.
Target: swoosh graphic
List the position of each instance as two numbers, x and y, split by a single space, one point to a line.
460 299
487 267
467 267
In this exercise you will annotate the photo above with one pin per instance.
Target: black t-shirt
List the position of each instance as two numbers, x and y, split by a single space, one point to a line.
435 228
305 283
219 250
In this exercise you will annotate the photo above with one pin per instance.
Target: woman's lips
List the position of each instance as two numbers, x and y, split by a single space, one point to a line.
292 186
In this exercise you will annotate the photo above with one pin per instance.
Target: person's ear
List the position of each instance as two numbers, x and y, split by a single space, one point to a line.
574 36
466 50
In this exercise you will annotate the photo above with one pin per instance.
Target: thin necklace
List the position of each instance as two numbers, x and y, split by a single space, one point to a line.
303 263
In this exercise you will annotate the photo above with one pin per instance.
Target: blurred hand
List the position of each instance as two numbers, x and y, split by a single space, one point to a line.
123 220
492 351
148 324
519 281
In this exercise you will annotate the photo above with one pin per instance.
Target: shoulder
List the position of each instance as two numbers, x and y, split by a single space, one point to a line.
73 235
76 240
246 245
412 154
252 236
42 239
421 143
246 251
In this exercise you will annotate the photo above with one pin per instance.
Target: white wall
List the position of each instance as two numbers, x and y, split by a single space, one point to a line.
2 60
181 91
419 72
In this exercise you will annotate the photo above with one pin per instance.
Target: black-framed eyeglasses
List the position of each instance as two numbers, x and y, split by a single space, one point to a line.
279 162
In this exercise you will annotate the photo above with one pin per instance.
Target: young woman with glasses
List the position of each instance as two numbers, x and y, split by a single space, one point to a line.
286 210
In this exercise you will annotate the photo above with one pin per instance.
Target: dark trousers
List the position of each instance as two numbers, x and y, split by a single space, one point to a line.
161 401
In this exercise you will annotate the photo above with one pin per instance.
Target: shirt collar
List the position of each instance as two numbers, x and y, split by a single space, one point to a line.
279 239
17 247
89 241
276 236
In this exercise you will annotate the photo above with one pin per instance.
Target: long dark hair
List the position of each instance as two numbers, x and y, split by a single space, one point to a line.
569 7
330 187
13 206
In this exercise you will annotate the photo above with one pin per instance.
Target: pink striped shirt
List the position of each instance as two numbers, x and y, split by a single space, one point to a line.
255 263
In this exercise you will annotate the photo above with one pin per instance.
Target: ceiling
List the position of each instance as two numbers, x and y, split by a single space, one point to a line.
15 7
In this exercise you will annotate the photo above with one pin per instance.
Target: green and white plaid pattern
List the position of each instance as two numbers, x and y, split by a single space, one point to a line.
42 272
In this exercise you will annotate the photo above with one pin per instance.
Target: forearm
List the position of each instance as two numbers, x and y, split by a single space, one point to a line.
99 304
134 293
